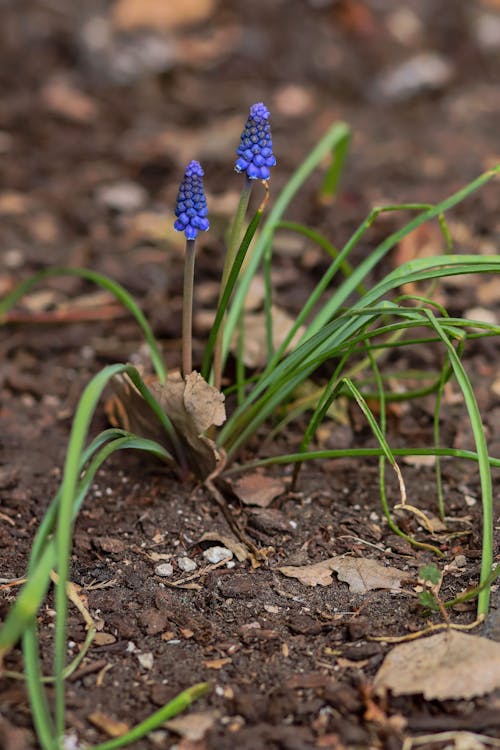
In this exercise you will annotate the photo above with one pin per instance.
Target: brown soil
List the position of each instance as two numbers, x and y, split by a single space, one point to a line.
291 666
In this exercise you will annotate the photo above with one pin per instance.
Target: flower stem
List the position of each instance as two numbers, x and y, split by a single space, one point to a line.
187 309
234 238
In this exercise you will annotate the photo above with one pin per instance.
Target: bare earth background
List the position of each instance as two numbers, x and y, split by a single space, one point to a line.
102 105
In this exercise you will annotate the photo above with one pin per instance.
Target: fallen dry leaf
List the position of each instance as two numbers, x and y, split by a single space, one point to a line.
107 724
158 14
217 663
62 98
104 639
449 665
193 726
258 489
192 405
14 203
318 574
361 574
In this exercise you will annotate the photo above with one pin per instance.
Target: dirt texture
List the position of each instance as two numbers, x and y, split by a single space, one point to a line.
103 104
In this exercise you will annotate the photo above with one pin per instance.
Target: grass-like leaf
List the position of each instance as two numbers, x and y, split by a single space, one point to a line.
104 282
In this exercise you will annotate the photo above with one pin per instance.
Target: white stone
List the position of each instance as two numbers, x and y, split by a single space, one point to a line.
164 570
217 554
122 196
146 660
186 564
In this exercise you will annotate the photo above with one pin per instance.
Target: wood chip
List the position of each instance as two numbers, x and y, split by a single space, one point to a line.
107 724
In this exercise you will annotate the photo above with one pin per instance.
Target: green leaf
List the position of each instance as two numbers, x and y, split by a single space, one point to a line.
430 573
428 600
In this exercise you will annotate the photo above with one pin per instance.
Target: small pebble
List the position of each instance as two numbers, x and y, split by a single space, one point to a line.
146 660
13 258
186 564
122 196
488 31
71 742
427 71
216 554
158 738
164 570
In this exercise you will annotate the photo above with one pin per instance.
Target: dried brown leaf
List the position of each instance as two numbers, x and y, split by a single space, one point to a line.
217 663
449 665
258 489
104 639
158 14
361 574
318 574
64 99
192 405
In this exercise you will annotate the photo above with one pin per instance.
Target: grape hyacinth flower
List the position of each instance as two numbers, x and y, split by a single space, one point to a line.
255 151
191 211
255 159
191 208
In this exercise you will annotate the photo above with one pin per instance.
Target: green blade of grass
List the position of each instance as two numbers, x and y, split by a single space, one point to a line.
356 278
228 290
482 458
330 309
326 342
311 234
176 706
321 455
382 485
50 517
43 556
116 290
328 144
332 177
42 718
361 272
81 422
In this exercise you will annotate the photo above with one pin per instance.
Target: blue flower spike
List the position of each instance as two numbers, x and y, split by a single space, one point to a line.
191 208
255 151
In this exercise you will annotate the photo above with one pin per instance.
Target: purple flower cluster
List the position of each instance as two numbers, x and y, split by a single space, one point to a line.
191 208
256 146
